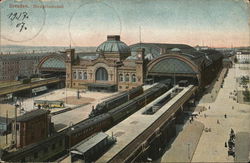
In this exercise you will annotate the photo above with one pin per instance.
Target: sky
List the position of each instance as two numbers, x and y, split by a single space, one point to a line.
214 23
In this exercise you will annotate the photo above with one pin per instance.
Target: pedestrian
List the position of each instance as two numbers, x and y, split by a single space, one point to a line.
208 107
232 107
225 116
218 122
205 115
226 144
190 121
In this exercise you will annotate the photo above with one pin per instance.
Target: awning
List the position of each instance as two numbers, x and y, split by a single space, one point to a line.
100 85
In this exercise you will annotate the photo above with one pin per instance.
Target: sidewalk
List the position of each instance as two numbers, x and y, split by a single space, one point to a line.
184 145
211 147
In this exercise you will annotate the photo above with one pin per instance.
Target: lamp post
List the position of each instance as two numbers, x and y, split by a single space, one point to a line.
66 95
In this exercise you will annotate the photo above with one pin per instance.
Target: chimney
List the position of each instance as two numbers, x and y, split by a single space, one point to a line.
113 37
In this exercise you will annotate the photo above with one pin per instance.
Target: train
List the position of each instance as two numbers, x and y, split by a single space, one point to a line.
105 121
72 135
183 83
112 103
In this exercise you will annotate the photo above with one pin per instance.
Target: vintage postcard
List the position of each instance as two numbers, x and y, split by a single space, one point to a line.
124 81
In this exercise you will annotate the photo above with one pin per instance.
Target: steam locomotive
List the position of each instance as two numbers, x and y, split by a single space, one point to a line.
117 101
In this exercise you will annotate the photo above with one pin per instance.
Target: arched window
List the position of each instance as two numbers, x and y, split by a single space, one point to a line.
133 78
85 75
127 78
121 77
79 75
101 74
74 75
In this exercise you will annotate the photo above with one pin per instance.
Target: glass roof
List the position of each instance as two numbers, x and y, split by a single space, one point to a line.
53 63
172 65
113 46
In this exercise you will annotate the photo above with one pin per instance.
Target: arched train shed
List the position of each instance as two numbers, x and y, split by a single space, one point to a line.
53 64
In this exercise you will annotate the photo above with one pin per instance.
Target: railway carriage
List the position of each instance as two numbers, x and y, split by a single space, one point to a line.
86 128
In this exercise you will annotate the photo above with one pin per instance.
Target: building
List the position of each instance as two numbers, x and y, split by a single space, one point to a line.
31 127
14 65
111 68
116 66
5 125
243 56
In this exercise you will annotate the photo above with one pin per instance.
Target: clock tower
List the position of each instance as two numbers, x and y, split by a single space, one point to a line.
70 53
140 66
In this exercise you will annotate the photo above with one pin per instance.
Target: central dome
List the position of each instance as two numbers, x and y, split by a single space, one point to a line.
113 45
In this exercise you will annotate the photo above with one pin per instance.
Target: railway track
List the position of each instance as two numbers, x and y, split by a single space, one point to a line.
136 144
20 87
68 109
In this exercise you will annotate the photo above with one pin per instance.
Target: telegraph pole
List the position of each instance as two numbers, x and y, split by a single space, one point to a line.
66 94
16 124
6 127
174 76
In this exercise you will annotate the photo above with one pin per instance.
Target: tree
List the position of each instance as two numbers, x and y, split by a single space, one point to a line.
246 94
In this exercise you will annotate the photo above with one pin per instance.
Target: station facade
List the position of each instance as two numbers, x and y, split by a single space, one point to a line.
111 68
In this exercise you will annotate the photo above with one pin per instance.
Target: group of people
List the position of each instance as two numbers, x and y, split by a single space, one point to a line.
231 143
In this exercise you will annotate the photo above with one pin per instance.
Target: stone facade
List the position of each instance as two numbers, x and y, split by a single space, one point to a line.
111 67
14 65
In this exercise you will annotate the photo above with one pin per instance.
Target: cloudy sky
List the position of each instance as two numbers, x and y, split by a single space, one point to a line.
216 23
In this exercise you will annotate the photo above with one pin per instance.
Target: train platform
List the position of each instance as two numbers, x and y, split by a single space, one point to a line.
132 127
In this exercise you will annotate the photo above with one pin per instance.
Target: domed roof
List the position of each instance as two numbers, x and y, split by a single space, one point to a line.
113 44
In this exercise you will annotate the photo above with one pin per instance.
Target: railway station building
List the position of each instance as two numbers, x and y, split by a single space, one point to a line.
111 68
117 66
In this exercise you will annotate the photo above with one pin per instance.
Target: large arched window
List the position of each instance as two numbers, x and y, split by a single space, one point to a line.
85 75
133 78
127 78
79 75
101 74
